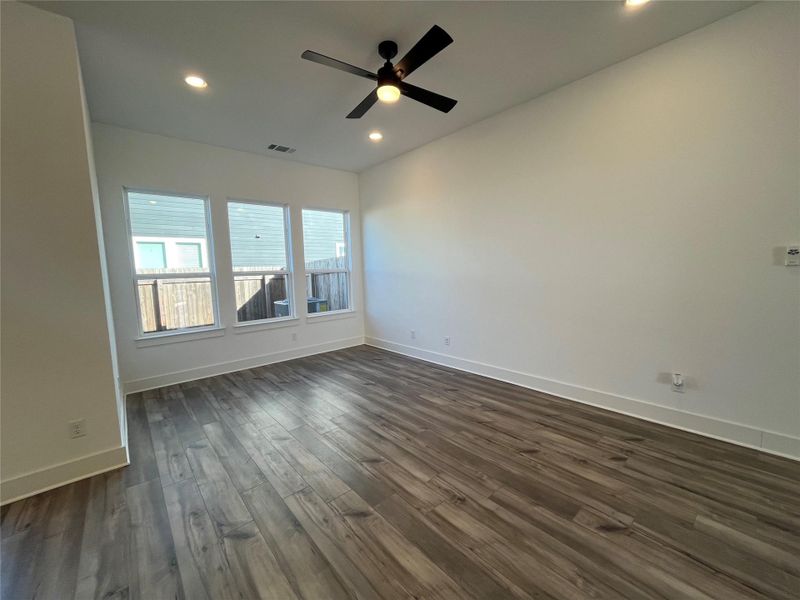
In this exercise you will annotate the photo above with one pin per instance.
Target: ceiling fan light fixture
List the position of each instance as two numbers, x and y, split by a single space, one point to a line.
388 93
196 81
390 78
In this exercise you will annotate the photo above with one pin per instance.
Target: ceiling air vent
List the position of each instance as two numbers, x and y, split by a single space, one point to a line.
279 148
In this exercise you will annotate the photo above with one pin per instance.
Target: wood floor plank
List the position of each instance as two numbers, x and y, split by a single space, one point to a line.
406 563
224 504
22 545
143 465
57 564
501 555
103 570
194 399
169 452
153 570
360 480
273 465
204 570
782 559
384 445
306 569
11 516
278 411
352 561
477 582
189 430
16 576
632 576
362 474
234 458
254 567
311 469
307 416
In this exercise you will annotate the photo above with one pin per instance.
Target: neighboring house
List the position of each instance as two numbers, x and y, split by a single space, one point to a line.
168 235
170 253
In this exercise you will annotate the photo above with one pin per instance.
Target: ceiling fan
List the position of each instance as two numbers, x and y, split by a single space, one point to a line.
389 78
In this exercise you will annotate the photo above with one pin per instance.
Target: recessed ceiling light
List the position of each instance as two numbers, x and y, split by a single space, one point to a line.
196 81
635 3
152 202
376 136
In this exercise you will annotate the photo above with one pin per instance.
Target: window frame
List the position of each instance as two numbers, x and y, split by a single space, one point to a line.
198 246
288 272
138 247
348 269
210 272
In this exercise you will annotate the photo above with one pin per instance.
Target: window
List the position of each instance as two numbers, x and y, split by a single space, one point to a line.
326 244
262 273
151 255
174 282
188 254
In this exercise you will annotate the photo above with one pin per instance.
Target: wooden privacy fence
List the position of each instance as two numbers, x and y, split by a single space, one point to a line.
333 286
167 304
256 295
175 303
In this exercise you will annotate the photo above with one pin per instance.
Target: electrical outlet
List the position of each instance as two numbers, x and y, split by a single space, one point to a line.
77 428
413 334
447 340
678 383
792 256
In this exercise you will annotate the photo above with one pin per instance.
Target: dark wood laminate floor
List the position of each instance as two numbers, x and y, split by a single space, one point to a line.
364 474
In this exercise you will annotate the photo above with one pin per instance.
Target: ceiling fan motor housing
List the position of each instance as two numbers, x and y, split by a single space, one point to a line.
387 49
387 75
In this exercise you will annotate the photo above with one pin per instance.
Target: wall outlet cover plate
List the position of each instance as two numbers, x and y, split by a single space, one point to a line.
793 256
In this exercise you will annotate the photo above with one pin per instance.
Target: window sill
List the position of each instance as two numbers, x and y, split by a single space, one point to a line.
330 315
264 324
178 336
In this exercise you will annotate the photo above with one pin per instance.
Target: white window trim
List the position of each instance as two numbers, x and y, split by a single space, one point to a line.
214 329
160 338
288 272
330 315
344 312
261 324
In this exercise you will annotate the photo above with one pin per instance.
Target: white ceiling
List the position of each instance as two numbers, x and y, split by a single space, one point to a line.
134 56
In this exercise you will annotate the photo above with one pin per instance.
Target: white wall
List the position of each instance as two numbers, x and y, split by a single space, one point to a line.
132 159
620 228
57 363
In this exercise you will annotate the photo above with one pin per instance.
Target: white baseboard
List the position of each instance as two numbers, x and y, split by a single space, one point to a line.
157 381
41 480
736 433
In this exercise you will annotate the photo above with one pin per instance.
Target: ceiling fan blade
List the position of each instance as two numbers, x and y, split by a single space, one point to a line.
432 99
337 64
431 44
364 106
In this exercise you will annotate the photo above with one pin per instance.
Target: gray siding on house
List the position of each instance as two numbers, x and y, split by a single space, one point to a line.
256 230
169 217
321 232
257 236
